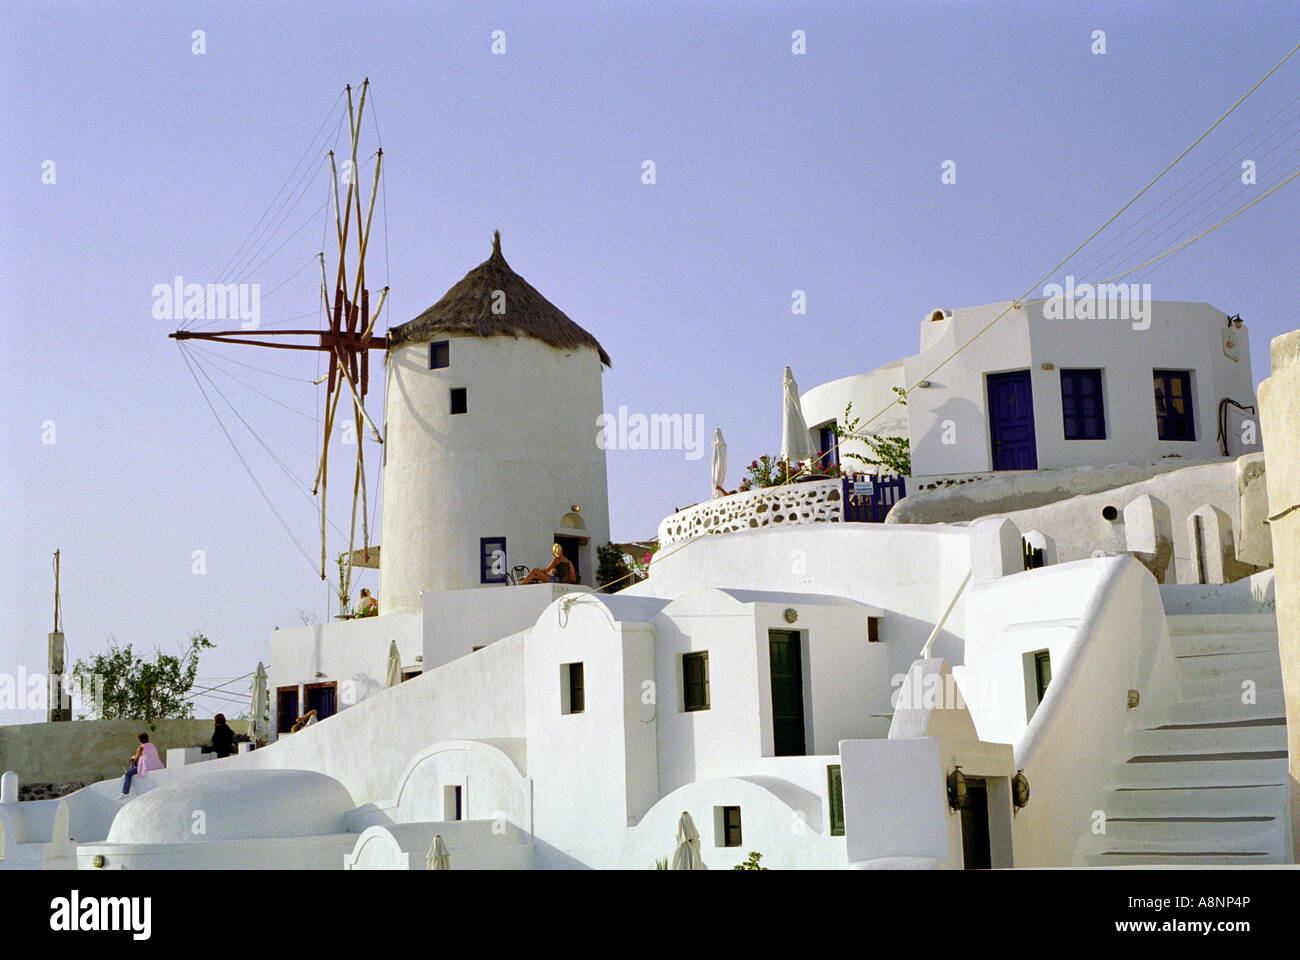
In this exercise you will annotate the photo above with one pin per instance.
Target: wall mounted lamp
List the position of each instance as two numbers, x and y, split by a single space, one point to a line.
957 788
1019 791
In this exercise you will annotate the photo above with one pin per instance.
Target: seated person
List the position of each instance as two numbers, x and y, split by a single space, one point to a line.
306 720
367 606
560 570
143 760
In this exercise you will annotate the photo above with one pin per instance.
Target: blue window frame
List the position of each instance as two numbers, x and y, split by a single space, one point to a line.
440 355
1174 405
492 560
1081 405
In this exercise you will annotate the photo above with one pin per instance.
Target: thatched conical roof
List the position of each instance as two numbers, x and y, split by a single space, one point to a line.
467 309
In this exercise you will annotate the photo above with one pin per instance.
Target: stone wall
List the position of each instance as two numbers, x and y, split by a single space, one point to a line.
818 501
85 751
1279 409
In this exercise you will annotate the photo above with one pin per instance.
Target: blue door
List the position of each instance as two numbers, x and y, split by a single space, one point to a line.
1011 421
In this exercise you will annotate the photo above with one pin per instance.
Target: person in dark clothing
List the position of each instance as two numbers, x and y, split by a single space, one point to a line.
223 738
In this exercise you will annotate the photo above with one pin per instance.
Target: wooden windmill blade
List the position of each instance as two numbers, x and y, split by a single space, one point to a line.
347 339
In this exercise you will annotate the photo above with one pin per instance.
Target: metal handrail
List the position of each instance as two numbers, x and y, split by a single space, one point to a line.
925 650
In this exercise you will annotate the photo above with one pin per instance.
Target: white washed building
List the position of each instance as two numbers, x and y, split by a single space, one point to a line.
1035 392
830 694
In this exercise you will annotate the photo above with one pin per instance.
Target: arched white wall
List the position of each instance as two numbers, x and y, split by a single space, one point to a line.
869 393
492 785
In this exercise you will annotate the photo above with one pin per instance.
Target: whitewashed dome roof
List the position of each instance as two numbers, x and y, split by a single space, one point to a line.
235 805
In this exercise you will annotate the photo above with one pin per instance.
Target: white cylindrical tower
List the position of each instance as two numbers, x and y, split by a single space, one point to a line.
491 457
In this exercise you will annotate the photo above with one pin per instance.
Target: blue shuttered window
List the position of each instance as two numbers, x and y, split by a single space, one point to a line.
1081 405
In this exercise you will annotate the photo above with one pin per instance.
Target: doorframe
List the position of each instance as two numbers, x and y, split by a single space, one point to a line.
585 557
297 691
302 704
989 410
805 687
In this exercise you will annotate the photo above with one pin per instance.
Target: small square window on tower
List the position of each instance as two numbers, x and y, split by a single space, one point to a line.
459 403
440 355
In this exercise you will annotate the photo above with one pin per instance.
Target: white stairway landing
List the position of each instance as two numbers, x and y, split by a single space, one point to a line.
1208 786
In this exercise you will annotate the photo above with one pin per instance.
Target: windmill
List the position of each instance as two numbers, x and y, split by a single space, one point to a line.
348 339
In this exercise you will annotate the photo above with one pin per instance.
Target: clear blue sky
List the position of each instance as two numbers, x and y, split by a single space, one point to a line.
775 172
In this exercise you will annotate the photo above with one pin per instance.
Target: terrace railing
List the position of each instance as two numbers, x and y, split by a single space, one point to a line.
833 500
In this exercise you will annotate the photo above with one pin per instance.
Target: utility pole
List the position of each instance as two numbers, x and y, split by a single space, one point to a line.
60 705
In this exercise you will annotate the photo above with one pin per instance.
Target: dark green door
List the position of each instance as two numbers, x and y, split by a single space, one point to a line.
787 693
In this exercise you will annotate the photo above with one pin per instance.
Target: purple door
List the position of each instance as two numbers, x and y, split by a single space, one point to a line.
1011 421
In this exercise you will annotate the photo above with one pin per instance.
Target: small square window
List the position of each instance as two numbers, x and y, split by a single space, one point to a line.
440 355
573 694
1081 405
459 402
695 681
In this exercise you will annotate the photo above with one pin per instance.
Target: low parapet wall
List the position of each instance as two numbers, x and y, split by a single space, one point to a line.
818 501
957 498
86 751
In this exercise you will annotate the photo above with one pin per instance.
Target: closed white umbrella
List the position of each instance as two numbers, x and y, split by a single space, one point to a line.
394 666
719 464
438 858
796 444
687 855
259 702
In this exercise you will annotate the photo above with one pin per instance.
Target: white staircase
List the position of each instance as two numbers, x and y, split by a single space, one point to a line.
1210 784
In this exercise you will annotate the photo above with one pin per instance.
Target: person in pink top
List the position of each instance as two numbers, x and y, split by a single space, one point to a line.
144 760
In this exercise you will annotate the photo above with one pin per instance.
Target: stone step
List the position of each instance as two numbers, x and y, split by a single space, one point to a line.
1248 801
1229 737
1223 707
1253 844
1200 643
1225 633
1189 624
1213 664
1203 770
1211 829
1207 688
1183 859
